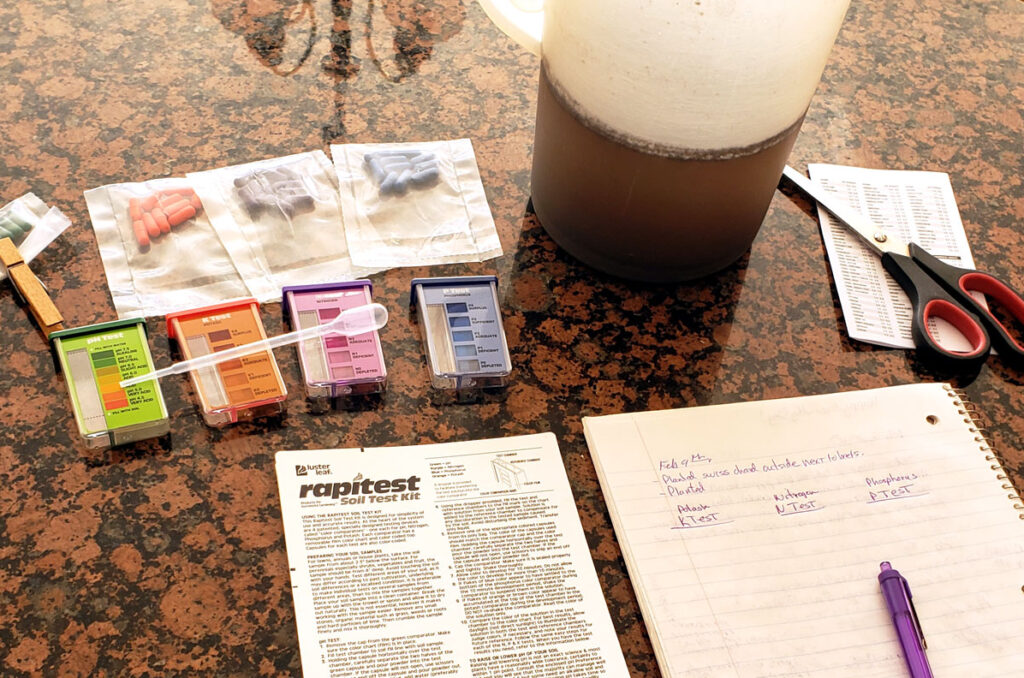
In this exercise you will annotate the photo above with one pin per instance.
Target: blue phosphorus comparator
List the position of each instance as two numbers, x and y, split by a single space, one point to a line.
462 332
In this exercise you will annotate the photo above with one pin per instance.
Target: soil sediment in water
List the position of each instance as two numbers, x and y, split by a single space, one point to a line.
645 212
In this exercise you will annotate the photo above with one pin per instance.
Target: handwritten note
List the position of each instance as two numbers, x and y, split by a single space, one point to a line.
753 534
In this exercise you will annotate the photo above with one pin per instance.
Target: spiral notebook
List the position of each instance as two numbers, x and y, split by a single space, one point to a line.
753 533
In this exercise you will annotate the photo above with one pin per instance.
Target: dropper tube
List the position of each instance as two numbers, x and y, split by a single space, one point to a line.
350 322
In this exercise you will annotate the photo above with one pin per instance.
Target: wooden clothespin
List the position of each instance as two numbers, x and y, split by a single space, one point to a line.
31 290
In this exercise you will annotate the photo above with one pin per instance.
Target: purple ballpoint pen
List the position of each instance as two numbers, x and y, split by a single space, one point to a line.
897 598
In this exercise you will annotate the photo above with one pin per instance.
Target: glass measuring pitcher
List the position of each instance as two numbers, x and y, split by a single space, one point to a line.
663 126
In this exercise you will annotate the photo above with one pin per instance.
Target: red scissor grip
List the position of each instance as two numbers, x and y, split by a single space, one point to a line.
929 300
962 321
998 291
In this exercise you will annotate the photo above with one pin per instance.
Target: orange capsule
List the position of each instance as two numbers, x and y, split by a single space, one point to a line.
140 233
148 203
161 220
135 209
173 203
196 202
151 226
182 215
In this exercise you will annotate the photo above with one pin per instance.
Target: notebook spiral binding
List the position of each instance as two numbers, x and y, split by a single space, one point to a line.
974 418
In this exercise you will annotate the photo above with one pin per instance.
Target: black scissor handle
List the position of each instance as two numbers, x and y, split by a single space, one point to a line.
928 300
960 282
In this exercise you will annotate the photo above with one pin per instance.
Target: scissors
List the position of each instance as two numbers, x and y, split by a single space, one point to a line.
936 290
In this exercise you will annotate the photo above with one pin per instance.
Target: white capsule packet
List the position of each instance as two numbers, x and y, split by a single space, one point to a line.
179 268
414 204
37 224
280 221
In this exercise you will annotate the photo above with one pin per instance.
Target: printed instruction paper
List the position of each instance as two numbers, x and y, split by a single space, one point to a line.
915 207
456 559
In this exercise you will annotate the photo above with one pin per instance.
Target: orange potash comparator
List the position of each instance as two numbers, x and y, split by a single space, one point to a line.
235 390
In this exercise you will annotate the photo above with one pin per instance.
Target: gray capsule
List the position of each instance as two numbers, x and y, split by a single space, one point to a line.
289 187
302 202
402 184
424 166
278 175
4 233
394 154
376 171
425 177
263 183
250 200
422 157
395 164
387 186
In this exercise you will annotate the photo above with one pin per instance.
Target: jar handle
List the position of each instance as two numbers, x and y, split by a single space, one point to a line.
521 20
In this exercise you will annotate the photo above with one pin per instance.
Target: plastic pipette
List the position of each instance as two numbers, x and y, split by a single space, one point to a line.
349 322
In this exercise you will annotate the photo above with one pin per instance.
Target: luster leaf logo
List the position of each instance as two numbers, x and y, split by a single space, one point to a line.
301 470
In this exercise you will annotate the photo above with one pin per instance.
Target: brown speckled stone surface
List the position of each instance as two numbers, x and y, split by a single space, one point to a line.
167 557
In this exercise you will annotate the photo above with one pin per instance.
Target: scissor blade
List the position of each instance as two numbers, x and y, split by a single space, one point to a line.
869 233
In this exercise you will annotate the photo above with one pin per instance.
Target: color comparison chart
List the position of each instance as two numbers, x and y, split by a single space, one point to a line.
463 337
94 360
335 366
235 390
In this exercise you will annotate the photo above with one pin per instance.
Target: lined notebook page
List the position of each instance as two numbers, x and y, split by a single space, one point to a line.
753 534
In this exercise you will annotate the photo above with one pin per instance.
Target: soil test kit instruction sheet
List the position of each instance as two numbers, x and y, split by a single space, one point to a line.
455 559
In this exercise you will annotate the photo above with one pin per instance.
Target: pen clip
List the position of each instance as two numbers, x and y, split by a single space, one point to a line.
913 613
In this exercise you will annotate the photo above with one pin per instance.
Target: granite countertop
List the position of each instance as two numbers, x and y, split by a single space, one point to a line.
167 557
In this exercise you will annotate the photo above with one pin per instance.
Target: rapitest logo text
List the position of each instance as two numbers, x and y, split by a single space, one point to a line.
360 490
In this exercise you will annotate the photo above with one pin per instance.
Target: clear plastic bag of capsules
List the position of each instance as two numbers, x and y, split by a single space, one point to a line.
159 250
280 221
413 204
31 224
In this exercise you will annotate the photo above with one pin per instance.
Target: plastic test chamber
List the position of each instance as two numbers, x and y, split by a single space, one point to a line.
463 337
334 366
236 390
94 360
